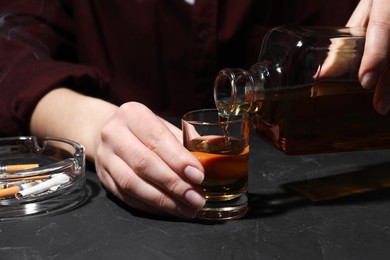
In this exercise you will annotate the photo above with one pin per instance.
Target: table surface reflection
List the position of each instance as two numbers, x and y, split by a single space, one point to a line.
278 226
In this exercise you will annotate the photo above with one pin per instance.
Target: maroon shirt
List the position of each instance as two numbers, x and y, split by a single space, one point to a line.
163 53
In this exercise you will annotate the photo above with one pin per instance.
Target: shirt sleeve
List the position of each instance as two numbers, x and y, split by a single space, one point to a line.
37 54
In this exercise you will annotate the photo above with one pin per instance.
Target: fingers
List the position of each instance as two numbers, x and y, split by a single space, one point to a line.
136 192
375 59
361 14
157 138
340 57
143 163
376 51
373 72
151 167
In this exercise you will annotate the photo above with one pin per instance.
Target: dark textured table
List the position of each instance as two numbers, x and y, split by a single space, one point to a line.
278 227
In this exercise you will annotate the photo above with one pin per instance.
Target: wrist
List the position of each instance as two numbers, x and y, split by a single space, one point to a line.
67 114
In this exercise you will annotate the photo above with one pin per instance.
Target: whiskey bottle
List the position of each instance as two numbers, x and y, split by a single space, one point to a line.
304 94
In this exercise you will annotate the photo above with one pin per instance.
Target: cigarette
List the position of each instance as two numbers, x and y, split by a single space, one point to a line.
21 181
12 190
59 179
6 185
9 192
29 178
17 167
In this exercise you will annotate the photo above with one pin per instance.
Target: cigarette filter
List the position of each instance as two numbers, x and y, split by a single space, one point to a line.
10 179
12 190
59 179
17 167
8 192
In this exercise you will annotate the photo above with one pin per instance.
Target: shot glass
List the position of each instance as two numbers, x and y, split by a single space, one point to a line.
222 146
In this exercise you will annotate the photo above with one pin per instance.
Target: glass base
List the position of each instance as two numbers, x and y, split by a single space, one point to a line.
224 210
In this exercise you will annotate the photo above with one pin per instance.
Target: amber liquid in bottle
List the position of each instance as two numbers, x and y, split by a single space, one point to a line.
304 94
323 123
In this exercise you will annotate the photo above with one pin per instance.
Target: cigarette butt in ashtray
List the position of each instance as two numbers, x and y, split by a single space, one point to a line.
17 167
8 192
59 179
7 183
16 178
12 190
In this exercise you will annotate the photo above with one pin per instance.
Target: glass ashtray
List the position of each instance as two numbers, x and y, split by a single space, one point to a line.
40 177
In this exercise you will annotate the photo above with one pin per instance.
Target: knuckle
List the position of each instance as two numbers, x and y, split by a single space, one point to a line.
180 158
125 182
381 25
142 162
163 201
131 108
102 173
99 153
173 184
157 134
107 130
105 133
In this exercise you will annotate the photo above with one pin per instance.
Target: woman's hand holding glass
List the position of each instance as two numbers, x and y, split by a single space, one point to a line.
140 158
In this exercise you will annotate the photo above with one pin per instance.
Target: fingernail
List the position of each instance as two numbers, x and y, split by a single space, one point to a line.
195 199
194 175
383 105
369 80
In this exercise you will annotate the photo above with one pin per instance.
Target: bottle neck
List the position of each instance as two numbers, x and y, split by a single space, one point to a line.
237 90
